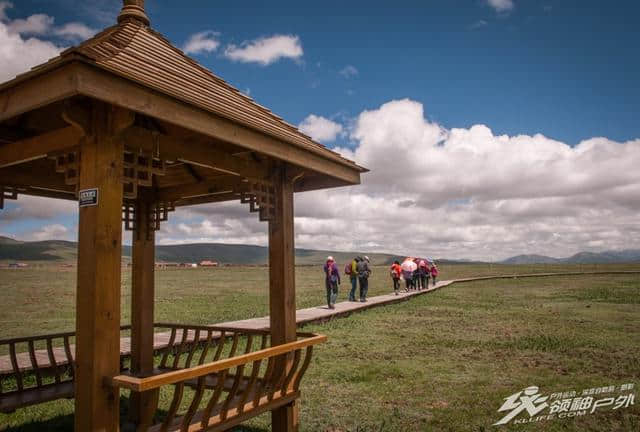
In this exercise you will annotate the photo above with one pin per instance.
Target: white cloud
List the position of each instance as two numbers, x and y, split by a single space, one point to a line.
18 54
48 232
501 6
202 42
457 193
478 24
36 208
37 24
20 49
74 30
349 71
266 50
4 5
320 128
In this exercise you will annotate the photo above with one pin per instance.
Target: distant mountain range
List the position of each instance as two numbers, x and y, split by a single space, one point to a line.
607 257
60 250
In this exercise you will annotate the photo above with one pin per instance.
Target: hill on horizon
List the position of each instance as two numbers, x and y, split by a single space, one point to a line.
606 257
62 250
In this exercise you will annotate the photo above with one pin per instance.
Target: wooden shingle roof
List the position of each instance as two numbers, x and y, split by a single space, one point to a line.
136 52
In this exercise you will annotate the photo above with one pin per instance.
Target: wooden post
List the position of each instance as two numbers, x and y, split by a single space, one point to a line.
142 405
282 288
98 289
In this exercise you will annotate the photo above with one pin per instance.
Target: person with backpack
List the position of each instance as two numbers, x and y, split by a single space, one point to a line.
423 272
332 280
351 270
364 271
396 271
434 273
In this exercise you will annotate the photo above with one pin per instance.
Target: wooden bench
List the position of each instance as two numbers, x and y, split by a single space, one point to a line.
41 368
31 375
234 374
240 386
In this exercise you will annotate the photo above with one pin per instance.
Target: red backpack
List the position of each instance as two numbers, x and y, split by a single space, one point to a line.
347 269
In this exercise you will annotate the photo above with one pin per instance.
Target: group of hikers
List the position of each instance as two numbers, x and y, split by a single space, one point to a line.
414 271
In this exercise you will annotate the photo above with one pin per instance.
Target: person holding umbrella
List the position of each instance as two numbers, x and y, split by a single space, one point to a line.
332 280
408 267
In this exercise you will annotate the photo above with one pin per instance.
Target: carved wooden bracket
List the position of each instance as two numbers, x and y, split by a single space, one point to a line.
68 163
129 215
139 169
158 212
7 192
260 198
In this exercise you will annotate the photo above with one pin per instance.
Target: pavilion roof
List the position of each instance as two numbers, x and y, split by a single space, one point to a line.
136 52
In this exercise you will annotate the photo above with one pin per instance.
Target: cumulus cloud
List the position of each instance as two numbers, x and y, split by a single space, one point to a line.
320 128
74 30
501 6
36 208
266 50
202 42
54 231
349 71
23 42
37 24
18 54
459 193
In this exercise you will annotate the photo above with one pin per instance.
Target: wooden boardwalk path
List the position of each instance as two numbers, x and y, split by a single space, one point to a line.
161 340
303 316
323 313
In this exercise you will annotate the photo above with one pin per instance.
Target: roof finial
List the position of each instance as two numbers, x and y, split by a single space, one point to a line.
133 9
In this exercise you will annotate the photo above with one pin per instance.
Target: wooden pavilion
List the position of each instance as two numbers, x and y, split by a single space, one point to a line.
131 127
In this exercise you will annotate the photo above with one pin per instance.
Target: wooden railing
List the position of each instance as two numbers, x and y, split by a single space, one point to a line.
236 376
219 376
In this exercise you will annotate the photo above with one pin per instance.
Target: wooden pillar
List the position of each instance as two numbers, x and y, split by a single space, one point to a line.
98 289
142 405
282 289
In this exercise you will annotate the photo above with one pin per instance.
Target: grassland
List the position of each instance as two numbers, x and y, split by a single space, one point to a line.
444 361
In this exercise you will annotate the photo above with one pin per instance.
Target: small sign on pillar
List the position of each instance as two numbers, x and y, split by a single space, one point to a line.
88 197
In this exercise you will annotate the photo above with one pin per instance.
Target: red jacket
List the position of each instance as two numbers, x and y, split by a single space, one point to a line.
396 270
434 271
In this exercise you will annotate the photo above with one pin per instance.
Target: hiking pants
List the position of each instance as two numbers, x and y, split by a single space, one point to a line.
424 280
332 291
396 284
354 285
364 287
408 283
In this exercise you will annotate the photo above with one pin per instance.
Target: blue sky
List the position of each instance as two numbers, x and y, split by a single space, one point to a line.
567 70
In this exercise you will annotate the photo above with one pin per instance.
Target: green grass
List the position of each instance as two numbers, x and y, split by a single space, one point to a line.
443 361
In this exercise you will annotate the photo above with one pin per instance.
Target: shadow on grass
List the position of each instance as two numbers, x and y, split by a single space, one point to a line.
64 423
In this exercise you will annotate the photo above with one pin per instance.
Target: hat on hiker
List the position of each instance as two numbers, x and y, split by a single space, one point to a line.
367 258
329 258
